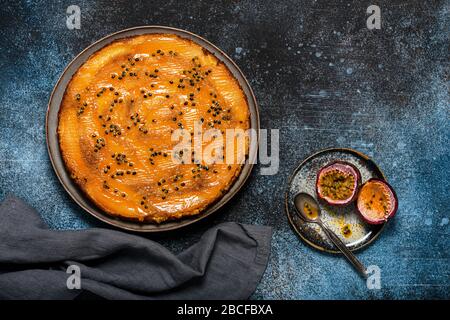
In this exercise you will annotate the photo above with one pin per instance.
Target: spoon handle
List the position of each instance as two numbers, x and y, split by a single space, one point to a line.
346 251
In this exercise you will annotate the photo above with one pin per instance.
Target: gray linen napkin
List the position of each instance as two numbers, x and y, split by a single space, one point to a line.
226 263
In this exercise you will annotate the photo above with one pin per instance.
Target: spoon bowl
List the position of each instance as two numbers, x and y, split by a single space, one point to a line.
307 207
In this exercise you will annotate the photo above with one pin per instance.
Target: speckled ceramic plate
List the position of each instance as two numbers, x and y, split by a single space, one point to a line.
55 153
304 179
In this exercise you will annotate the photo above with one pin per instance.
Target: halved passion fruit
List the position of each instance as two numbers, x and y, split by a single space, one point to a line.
377 201
337 183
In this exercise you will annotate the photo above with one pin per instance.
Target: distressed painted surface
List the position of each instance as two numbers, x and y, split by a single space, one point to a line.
320 77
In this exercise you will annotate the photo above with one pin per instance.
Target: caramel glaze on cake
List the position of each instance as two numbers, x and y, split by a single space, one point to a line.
117 118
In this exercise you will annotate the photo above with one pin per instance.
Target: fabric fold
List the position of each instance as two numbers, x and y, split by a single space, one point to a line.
226 263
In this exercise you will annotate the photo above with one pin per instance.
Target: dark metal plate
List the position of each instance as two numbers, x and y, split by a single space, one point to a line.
55 153
304 179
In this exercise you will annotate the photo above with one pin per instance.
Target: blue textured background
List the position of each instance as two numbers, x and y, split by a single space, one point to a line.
319 75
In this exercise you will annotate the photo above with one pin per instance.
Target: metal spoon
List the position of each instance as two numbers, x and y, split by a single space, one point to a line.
300 200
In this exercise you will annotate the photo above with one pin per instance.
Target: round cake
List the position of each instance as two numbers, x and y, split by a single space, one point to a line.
153 128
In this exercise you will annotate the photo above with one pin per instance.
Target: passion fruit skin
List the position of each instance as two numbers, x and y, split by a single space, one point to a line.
355 172
393 210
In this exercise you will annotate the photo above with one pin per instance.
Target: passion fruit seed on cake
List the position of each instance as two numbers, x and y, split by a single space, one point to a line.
118 115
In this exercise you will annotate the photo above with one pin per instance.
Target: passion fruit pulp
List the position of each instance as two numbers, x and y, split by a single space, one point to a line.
377 201
337 183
